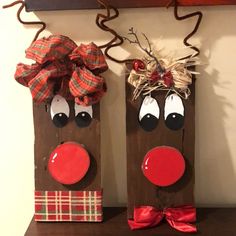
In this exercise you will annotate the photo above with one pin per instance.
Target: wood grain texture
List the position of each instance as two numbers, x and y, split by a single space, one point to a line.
210 222
139 142
39 5
48 137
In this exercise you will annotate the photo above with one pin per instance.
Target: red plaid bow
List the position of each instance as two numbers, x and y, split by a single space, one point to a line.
180 218
63 68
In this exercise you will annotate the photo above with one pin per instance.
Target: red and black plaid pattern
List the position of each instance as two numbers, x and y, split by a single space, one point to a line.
80 85
85 206
63 68
55 47
90 56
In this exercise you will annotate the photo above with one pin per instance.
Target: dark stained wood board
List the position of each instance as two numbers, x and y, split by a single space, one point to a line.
139 142
210 222
47 137
40 5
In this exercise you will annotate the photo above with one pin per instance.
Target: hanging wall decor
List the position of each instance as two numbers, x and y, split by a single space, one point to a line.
39 5
160 100
66 86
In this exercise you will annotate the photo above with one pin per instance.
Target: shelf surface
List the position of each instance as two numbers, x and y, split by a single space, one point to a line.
210 222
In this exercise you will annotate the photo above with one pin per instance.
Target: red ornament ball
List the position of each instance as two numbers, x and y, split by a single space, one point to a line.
138 65
68 163
163 166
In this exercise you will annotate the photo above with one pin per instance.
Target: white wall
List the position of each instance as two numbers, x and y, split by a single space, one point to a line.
215 104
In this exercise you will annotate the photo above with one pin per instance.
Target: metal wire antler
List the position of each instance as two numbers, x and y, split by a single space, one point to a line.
27 22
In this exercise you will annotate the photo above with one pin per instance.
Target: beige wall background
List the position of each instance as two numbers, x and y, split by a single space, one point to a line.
215 104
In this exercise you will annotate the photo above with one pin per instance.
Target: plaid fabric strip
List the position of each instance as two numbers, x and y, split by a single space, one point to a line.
55 47
84 206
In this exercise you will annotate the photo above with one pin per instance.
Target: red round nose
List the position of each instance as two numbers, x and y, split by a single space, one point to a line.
68 163
163 166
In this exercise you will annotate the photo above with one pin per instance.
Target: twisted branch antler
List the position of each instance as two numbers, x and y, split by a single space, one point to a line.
148 50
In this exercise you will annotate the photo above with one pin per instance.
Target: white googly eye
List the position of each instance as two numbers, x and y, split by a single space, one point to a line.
59 111
149 113
83 115
174 112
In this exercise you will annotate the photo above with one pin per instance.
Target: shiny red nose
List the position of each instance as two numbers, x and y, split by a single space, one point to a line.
163 166
68 163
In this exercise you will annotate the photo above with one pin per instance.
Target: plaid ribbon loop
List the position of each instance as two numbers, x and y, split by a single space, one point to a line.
63 68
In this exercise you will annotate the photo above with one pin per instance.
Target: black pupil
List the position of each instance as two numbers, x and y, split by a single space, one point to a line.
60 120
83 119
149 122
174 121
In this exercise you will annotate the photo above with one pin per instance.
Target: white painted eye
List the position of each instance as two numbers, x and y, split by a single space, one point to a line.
149 113
59 111
174 112
83 115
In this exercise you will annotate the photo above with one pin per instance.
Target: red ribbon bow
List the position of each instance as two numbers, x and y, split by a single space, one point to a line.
167 78
179 218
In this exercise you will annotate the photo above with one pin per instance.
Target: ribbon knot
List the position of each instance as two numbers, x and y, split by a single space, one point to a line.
63 68
179 218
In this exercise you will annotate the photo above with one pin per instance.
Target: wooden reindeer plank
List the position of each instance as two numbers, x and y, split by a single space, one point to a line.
67 131
139 142
160 123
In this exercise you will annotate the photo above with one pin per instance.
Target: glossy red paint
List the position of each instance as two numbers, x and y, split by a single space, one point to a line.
68 163
163 166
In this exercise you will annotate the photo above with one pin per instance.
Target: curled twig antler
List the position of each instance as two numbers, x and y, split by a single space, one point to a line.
194 31
117 40
121 39
27 22
107 17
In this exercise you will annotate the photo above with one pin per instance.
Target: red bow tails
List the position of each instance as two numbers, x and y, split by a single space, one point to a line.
179 218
